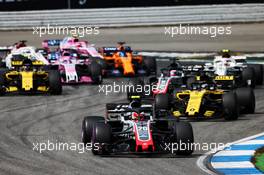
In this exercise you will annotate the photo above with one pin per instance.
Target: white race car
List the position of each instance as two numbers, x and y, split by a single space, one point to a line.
238 66
29 52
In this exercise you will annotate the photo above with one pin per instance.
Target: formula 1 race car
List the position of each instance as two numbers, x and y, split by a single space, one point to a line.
132 128
121 61
235 68
82 47
205 101
172 77
29 52
75 68
28 76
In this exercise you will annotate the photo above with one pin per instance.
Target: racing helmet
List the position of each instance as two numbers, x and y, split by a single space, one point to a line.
120 46
20 44
27 65
226 53
75 38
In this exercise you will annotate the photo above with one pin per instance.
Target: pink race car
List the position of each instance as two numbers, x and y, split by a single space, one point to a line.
82 47
78 61
75 68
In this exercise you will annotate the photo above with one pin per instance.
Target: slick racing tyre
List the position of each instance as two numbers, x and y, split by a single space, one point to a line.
246 100
150 64
102 134
231 106
101 62
248 74
162 102
96 73
183 136
87 127
2 80
55 86
258 69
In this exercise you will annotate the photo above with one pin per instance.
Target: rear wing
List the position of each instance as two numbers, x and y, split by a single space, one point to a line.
21 63
114 111
19 60
109 51
51 43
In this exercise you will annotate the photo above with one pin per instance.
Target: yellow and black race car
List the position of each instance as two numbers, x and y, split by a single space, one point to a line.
29 76
206 101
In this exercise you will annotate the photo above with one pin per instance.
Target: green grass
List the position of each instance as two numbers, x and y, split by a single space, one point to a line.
258 159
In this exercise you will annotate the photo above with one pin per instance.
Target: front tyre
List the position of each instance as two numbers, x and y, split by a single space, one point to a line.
102 134
183 136
230 105
96 73
55 86
150 64
248 75
87 127
162 102
246 100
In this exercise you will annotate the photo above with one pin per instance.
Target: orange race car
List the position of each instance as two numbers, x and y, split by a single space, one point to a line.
121 61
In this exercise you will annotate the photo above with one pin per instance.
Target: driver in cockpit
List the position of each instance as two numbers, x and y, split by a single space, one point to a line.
121 49
135 105
225 53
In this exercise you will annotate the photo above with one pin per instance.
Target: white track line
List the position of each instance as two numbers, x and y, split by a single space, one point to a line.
252 142
235 153
243 164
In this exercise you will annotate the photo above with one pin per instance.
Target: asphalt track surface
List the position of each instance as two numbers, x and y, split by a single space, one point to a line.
25 120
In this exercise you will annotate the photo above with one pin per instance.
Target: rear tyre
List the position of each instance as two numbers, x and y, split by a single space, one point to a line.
96 73
2 81
183 135
258 69
102 134
150 64
246 100
162 102
248 74
101 62
55 86
230 105
87 127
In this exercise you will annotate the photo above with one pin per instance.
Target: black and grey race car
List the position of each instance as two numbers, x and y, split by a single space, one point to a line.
134 128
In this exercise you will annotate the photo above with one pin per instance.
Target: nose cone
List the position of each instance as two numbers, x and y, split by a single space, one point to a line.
128 67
